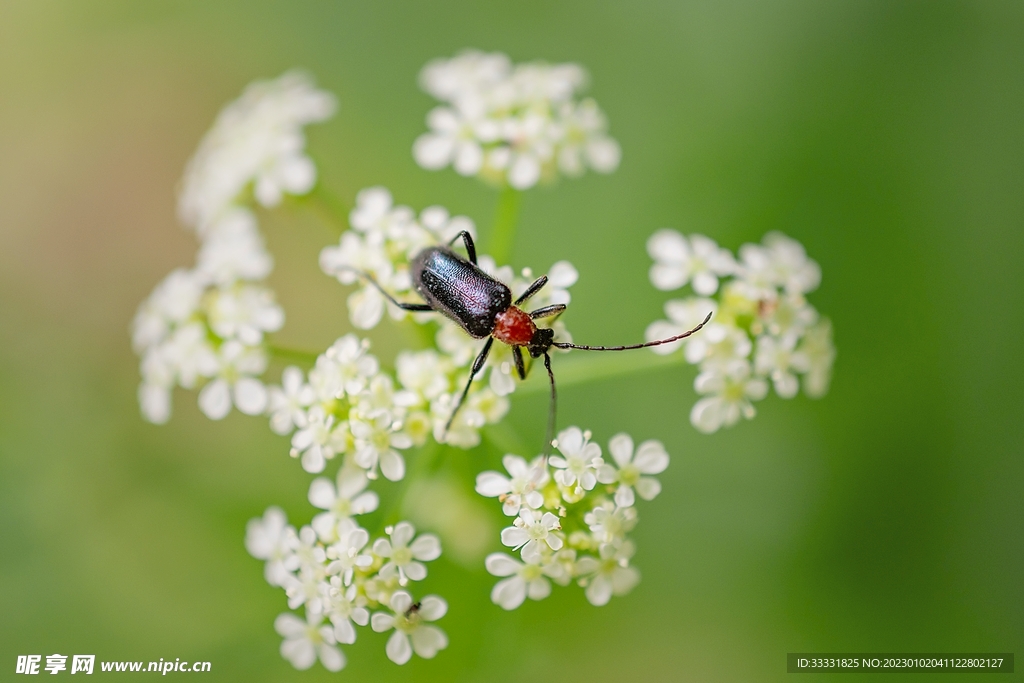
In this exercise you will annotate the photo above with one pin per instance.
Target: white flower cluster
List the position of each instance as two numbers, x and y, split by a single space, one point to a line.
512 124
383 240
257 140
205 325
337 575
572 513
763 328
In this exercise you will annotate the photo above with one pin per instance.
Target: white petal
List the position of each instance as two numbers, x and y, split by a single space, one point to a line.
321 493
621 447
433 608
401 601
525 172
345 632
415 571
289 625
468 159
624 497
513 536
554 542
538 589
427 640
562 274
215 399
500 564
398 649
651 457
155 401
667 277
426 548
381 622
648 487
299 652
433 152
599 592
403 533
624 579
492 484
331 657
392 466
509 593
313 460
705 283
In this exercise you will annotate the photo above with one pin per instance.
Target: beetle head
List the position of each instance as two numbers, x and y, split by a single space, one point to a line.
541 342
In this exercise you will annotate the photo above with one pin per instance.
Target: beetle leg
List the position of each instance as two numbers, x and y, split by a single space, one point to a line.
477 364
554 406
532 289
403 305
517 354
467 240
548 311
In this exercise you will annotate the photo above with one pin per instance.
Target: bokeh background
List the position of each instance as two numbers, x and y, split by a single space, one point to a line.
886 136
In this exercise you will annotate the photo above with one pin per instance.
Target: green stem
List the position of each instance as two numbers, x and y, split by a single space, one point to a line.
419 467
505 218
582 367
286 354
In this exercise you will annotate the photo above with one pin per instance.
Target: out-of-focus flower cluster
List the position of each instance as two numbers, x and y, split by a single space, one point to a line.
342 580
204 326
256 142
764 331
572 513
516 124
383 240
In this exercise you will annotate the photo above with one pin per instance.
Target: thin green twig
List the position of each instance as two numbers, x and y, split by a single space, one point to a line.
297 355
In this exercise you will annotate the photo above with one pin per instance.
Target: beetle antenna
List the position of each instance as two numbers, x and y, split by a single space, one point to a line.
554 406
659 342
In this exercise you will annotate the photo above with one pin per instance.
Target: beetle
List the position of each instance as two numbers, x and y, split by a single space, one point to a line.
482 306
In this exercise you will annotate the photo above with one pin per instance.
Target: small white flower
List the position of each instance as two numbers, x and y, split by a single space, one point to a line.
408 622
531 529
341 608
244 312
519 488
779 360
651 458
610 522
525 579
406 556
582 458
344 368
424 372
270 538
683 315
340 501
235 382
287 404
344 551
173 301
793 271
697 260
718 344
319 440
307 587
304 641
612 574
732 389
376 438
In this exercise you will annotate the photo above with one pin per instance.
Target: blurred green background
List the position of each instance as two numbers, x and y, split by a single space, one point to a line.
886 136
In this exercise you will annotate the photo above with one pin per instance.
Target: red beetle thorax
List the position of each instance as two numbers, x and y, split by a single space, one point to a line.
514 327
